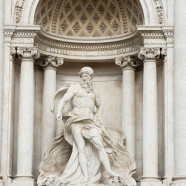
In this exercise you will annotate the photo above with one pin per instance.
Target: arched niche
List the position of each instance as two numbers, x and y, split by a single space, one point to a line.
153 11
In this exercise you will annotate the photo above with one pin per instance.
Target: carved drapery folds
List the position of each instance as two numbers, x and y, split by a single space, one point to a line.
149 54
50 62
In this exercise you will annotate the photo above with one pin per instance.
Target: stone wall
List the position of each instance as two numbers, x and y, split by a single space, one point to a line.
108 83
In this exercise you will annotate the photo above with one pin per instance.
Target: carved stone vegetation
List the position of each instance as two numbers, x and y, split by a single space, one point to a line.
149 53
50 62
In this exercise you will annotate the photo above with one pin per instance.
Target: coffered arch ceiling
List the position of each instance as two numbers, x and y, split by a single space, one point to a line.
89 18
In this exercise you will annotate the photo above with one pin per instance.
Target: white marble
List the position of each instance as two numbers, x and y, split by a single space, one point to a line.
180 91
169 112
150 114
26 114
99 53
1 66
6 156
128 100
50 65
84 143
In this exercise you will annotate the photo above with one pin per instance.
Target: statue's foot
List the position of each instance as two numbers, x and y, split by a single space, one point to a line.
85 179
112 174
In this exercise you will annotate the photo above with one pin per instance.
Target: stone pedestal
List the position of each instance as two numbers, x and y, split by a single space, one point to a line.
23 182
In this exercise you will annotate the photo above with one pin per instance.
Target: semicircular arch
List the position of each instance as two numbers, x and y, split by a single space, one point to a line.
24 11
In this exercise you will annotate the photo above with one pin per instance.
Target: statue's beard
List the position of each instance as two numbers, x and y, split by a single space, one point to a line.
87 85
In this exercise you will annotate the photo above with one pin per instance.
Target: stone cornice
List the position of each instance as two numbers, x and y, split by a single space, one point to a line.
90 49
153 36
20 31
168 31
169 34
152 32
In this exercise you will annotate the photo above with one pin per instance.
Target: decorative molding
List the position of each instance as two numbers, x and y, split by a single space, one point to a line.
18 10
25 53
127 63
159 11
89 49
20 34
50 62
169 34
152 35
89 18
150 54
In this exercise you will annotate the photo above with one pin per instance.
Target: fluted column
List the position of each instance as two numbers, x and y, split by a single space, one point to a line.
128 100
180 93
26 113
50 65
150 115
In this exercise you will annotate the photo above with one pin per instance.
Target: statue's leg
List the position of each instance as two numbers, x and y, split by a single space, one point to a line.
80 142
97 142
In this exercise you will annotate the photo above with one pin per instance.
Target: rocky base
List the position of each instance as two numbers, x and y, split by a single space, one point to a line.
55 181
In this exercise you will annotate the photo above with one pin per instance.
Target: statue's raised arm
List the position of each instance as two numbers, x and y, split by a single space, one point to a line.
67 97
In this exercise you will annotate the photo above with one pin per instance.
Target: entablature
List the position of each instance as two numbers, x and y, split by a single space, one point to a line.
86 49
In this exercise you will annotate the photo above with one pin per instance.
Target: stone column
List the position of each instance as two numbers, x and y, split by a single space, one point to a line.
168 54
128 100
50 65
1 67
180 92
7 118
150 116
26 114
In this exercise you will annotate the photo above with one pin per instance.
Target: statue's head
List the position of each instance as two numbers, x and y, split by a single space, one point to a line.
86 73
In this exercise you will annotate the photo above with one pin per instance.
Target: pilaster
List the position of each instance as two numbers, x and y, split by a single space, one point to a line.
7 112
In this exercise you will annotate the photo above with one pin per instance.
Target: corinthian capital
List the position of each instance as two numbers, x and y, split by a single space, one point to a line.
149 53
50 62
27 52
128 62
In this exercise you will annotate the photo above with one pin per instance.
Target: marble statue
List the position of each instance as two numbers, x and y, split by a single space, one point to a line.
86 152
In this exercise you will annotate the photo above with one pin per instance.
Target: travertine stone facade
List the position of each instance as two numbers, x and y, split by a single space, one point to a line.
46 43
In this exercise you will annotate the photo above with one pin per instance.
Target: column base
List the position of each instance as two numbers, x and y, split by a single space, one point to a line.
179 181
153 181
23 181
1 183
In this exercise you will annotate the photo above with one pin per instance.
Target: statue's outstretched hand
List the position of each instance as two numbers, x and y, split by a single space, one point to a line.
59 116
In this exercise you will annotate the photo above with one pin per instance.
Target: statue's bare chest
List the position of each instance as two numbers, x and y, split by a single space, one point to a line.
80 93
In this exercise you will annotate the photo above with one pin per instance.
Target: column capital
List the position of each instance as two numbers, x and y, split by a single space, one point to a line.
50 62
127 63
149 54
25 53
164 54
